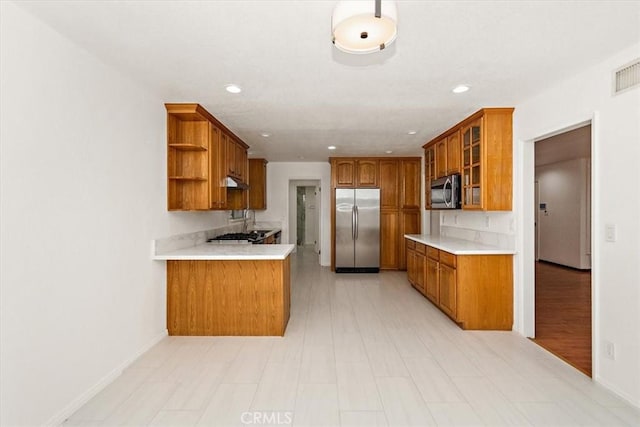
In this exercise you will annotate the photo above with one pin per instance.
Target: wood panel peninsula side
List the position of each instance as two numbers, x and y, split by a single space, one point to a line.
242 290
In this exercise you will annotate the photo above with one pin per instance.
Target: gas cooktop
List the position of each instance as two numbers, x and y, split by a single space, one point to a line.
252 237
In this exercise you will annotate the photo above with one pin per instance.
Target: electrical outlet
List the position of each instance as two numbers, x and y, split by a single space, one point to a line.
455 219
487 221
610 350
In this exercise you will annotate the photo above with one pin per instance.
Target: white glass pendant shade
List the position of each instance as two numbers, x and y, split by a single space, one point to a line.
356 29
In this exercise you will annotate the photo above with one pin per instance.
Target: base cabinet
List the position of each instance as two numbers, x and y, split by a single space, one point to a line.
475 291
447 290
415 266
432 285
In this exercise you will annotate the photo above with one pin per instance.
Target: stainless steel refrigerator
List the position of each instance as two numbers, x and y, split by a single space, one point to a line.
357 230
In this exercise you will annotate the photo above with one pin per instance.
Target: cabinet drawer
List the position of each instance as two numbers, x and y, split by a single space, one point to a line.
420 248
447 258
411 245
432 252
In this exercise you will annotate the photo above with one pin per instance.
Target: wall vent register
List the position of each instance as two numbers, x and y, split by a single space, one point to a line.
627 77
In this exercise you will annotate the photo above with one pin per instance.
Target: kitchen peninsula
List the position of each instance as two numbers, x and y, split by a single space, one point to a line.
227 289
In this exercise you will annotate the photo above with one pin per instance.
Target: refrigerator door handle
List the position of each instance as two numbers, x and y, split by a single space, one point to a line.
356 222
353 223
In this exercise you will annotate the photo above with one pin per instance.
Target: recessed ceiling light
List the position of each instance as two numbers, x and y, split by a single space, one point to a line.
331 147
249 152
411 132
265 135
460 89
232 88
389 151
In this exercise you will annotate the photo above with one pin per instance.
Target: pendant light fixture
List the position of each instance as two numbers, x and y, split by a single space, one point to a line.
364 26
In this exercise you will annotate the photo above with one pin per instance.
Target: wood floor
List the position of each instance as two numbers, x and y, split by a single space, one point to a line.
359 350
563 313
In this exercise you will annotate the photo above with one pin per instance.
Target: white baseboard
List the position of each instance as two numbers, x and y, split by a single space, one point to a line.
79 401
621 394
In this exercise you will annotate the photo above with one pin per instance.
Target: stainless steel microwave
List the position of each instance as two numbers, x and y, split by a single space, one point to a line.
445 192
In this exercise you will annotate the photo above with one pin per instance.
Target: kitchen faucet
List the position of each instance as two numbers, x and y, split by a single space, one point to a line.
245 217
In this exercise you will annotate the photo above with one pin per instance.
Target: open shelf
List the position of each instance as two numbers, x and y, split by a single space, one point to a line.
188 178
188 147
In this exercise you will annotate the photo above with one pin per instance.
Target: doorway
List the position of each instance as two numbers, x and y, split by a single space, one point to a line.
305 215
562 233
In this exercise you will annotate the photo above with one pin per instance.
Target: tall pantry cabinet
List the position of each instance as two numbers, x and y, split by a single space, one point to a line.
398 179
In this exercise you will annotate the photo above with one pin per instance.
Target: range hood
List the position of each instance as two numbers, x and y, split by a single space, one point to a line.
234 183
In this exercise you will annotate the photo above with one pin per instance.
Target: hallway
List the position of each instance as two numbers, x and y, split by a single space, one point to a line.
360 349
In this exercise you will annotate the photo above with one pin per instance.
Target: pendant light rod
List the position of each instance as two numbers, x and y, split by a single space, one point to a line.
378 8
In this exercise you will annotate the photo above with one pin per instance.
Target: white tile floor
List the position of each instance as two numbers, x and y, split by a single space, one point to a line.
360 350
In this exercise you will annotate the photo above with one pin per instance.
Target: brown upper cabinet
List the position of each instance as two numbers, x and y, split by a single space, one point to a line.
441 157
360 173
257 184
453 153
410 178
446 155
237 162
366 173
198 161
344 172
480 149
390 188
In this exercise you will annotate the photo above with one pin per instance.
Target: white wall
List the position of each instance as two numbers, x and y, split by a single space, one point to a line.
279 174
616 200
83 166
562 225
490 228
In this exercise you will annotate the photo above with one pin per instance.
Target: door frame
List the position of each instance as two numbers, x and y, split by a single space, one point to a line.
527 259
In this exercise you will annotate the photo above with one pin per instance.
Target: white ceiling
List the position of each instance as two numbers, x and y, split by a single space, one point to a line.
308 95
574 144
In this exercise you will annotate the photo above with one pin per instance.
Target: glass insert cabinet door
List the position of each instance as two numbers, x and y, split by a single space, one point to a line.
430 172
471 165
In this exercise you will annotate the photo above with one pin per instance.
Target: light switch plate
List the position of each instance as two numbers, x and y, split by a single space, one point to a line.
610 233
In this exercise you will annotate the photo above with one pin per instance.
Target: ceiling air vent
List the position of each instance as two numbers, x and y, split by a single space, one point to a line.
626 77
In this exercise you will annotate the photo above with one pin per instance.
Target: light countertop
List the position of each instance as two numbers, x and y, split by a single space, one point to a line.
459 246
219 252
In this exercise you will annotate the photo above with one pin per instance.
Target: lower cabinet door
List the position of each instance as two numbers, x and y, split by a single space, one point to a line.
431 280
390 240
419 271
448 290
411 266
